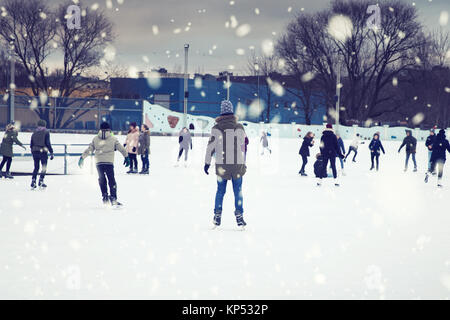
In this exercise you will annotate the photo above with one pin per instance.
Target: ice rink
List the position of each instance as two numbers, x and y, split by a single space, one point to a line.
379 235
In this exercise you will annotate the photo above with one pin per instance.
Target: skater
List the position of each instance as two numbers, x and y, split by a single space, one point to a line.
185 141
329 148
342 148
40 147
131 145
411 144
245 148
6 149
308 142
144 148
353 147
104 145
265 142
375 146
319 170
429 144
230 163
438 157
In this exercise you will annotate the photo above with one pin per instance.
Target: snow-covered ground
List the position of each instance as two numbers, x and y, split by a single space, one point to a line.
380 235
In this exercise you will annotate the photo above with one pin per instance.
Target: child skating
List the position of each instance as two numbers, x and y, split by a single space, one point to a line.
144 148
104 145
185 141
40 148
411 144
265 143
375 147
308 142
131 145
438 158
353 147
6 149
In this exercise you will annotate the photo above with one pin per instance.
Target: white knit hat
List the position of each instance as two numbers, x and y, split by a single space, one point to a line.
226 107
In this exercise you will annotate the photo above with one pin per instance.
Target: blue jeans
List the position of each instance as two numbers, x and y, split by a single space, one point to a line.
429 160
221 189
413 158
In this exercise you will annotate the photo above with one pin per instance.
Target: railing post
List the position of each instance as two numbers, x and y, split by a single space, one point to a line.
65 159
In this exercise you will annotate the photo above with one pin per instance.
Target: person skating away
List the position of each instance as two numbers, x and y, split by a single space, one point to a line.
353 147
185 141
40 146
144 148
265 142
6 149
411 144
375 147
342 148
227 138
131 145
308 142
429 144
329 148
438 158
104 145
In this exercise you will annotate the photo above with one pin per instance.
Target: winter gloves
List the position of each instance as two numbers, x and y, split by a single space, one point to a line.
206 168
134 149
126 162
52 156
81 162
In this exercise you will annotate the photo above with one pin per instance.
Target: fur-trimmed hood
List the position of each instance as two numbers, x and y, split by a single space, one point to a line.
227 117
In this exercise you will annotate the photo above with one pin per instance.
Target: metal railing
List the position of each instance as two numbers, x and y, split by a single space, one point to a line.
65 154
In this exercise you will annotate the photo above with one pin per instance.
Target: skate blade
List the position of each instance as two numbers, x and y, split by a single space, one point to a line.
215 227
241 228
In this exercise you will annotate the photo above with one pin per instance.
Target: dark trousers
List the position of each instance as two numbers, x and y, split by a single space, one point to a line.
133 161
6 160
145 162
305 161
440 166
40 158
374 156
413 156
332 163
106 176
350 150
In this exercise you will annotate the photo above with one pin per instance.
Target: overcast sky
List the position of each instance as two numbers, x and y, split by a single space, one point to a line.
133 20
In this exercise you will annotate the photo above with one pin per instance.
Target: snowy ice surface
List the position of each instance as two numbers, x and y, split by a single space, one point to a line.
380 235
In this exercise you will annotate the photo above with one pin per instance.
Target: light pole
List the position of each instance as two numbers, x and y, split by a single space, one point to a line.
338 93
12 85
228 86
186 92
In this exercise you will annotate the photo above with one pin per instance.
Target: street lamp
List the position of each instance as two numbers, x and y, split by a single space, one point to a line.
186 92
12 85
338 93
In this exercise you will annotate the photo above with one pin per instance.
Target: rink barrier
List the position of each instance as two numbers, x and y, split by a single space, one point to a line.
65 154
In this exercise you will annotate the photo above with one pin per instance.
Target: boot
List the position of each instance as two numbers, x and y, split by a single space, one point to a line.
8 175
33 184
115 203
240 220
105 199
217 219
42 185
427 176
1 175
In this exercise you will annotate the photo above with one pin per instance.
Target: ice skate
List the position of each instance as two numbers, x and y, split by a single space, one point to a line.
115 204
1 175
240 222
427 176
105 200
217 221
33 185
8 175
42 185
415 170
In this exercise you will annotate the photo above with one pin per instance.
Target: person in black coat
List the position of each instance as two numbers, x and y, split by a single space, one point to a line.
319 170
411 144
342 148
429 144
329 148
308 142
375 147
440 147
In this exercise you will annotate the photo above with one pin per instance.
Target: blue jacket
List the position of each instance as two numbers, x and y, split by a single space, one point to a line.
341 145
430 141
376 145
440 146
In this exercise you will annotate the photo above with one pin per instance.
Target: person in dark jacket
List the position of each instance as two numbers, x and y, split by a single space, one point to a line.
329 148
40 147
227 139
411 144
375 147
440 147
342 148
319 170
144 148
429 144
308 142
6 149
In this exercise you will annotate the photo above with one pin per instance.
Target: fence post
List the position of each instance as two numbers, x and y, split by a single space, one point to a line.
386 128
65 159
92 163
98 113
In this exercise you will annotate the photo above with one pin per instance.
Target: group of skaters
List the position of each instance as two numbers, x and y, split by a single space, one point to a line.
332 147
230 155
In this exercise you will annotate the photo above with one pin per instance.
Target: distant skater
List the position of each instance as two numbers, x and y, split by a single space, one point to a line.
6 149
438 158
40 147
308 142
131 145
353 147
411 144
265 143
429 144
342 148
104 145
375 147
329 149
185 141
144 148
